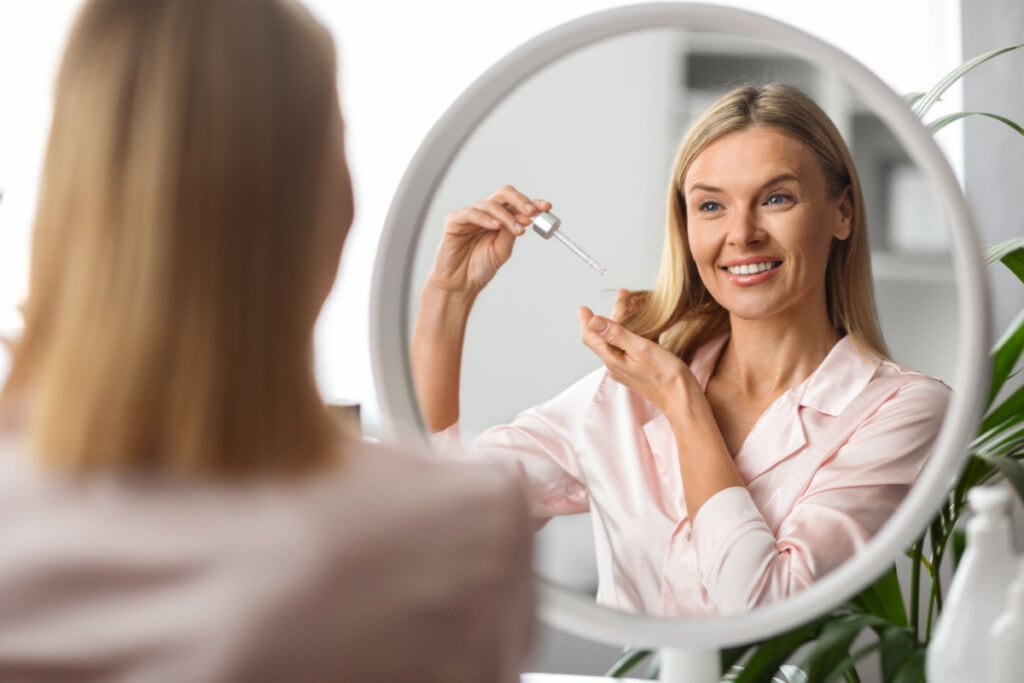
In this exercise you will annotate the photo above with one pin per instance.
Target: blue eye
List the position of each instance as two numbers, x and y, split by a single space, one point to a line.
707 207
777 198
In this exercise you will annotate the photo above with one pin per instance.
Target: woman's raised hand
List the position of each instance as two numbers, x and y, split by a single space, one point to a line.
478 239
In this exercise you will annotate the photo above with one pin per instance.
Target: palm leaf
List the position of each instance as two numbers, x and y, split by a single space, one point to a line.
1007 414
897 646
925 102
772 654
943 121
1012 470
912 98
627 662
1005 355
884 598
912 670
831 649
732 655
1011 253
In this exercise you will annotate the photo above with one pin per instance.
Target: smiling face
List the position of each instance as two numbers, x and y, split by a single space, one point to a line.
760 224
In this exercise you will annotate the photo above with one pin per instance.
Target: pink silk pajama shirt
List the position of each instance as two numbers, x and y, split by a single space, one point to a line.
825 465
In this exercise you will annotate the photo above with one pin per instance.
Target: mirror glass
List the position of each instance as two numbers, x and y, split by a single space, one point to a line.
596 133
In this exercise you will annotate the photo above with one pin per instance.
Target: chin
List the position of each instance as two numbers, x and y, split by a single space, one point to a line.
749 309
747 314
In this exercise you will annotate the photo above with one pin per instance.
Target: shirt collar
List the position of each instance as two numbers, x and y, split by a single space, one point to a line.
844 373
846 370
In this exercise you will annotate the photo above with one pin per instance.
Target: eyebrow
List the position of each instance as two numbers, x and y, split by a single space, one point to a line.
775 179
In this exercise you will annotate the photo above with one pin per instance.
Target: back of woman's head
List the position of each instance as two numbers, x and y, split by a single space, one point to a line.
177 265
680 310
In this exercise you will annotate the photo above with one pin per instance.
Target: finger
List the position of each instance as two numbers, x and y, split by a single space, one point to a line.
501 213
617 336
474 218
517 202
609 355
638 299
541 205
622 305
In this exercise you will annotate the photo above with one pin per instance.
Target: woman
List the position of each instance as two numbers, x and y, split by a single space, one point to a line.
746 433
176 504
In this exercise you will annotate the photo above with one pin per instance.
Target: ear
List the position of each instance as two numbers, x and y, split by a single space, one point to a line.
844 208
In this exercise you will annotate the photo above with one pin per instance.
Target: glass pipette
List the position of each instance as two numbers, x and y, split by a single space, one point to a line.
547 226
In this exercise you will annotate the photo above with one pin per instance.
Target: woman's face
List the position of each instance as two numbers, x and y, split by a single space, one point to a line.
760 223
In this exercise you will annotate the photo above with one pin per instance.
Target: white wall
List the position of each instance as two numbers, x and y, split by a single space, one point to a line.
993 152
402 63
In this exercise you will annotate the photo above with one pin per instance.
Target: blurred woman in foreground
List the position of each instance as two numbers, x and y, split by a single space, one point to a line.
175 501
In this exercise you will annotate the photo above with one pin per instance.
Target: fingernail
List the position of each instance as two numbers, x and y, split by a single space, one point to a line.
530 208
599 325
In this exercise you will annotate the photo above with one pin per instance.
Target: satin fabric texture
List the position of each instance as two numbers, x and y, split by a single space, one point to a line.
355 573
824 466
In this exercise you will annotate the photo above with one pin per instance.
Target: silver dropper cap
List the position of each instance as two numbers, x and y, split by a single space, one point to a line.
547 225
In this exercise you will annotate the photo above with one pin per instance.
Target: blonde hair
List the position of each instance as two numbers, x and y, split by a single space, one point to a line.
679 312
169 321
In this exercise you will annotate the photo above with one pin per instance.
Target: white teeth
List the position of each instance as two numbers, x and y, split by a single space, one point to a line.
753 268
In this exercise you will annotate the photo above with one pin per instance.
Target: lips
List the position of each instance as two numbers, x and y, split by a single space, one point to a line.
751 271
753 268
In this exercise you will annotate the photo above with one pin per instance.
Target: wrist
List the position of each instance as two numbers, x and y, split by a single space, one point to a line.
445 305
440 289
684 401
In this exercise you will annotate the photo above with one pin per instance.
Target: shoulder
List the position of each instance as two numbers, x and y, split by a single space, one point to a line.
403 480
910 388
595 390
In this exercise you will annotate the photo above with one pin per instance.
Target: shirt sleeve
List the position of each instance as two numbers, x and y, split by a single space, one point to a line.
743 562
540 447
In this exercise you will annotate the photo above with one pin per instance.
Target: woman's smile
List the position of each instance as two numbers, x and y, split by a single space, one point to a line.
752 271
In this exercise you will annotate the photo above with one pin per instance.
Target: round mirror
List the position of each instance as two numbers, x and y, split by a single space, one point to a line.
589 116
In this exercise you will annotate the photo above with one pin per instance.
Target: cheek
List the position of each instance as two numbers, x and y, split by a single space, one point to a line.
704 252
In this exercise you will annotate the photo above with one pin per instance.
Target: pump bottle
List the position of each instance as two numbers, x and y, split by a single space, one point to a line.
1008 634
960 647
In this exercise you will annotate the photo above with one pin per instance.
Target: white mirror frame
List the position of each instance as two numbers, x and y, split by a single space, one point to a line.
389 329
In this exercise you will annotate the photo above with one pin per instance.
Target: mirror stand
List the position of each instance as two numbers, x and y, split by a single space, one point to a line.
688 665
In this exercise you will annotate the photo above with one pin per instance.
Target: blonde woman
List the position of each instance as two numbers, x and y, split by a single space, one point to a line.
746 432
176 504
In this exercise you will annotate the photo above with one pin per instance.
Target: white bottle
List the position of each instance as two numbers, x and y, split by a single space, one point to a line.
1008 634
959 648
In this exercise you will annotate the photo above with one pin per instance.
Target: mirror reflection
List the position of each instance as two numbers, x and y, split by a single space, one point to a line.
755 390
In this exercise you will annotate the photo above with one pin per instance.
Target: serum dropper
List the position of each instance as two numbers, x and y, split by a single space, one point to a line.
547 225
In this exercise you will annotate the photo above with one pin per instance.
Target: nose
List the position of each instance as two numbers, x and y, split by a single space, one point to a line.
744 228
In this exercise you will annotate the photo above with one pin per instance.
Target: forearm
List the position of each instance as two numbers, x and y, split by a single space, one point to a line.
437 342
705 463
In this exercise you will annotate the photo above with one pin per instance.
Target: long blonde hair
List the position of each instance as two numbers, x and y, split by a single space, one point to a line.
679 312
172 298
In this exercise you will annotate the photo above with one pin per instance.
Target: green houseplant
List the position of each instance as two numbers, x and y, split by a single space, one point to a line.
883 619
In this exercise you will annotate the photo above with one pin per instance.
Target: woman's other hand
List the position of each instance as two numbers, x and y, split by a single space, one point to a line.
478 239
640 364
659 376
